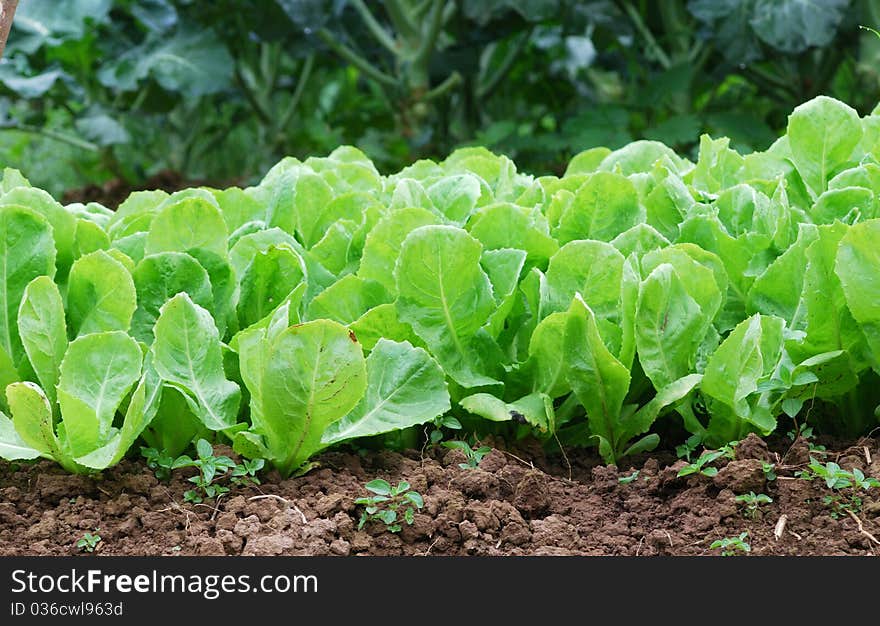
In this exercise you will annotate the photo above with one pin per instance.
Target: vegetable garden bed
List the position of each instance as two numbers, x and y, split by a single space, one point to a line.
641 294
515 503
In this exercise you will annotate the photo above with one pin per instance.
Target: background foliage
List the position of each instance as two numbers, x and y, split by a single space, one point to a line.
93 90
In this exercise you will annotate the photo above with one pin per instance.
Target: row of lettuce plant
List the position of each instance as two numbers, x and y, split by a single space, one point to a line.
331 303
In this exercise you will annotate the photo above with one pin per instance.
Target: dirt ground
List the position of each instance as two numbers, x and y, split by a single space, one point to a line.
515 503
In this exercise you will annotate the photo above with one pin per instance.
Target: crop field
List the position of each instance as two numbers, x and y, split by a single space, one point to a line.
457 358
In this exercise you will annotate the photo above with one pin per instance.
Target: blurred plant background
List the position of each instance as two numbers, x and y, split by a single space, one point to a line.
125 93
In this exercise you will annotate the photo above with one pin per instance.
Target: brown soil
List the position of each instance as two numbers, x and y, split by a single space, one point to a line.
112 193
514 504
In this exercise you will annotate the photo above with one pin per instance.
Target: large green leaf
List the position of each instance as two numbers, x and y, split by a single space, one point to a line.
187 225
270 277
506 225
159 277
383 243
605 206
314 375
26 251
747 356
446 297
12 446
599 380
669 327
822 134
97 373
593 269
43 331
32 418
405 387
858 268
101 295
186 354
62 221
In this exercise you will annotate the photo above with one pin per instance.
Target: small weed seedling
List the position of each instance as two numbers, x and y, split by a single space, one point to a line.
246 472
211 470
441 422
731 546
384 506
210 467
751 503
473 456
159 461
685 450
89 542
846 486
702 464
769 470
806 432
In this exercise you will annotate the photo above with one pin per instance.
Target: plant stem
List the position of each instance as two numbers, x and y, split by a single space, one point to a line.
443 88
304 75
355 59
400 17
651 42
375 28
429 37
57 136
486 89
251 97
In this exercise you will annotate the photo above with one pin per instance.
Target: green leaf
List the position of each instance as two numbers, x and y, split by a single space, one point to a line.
858 268
32 418
446 297
455 196
141 410
379 486
43 331
314 375
186 354
62 222
271 276
605 206
592 268
12 446
599 380
405 387
822 134
159 277
506 225
97 373
192 62
101 295
749 353
348 299
383 244
669 327
27 251
380 322
535 409
792 26
187 225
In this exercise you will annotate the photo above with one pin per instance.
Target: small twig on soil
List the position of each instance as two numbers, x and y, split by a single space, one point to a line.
668 536
428 551
564 455
867 454
780 526
528 464
795 535
862 528
285 501
639 547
